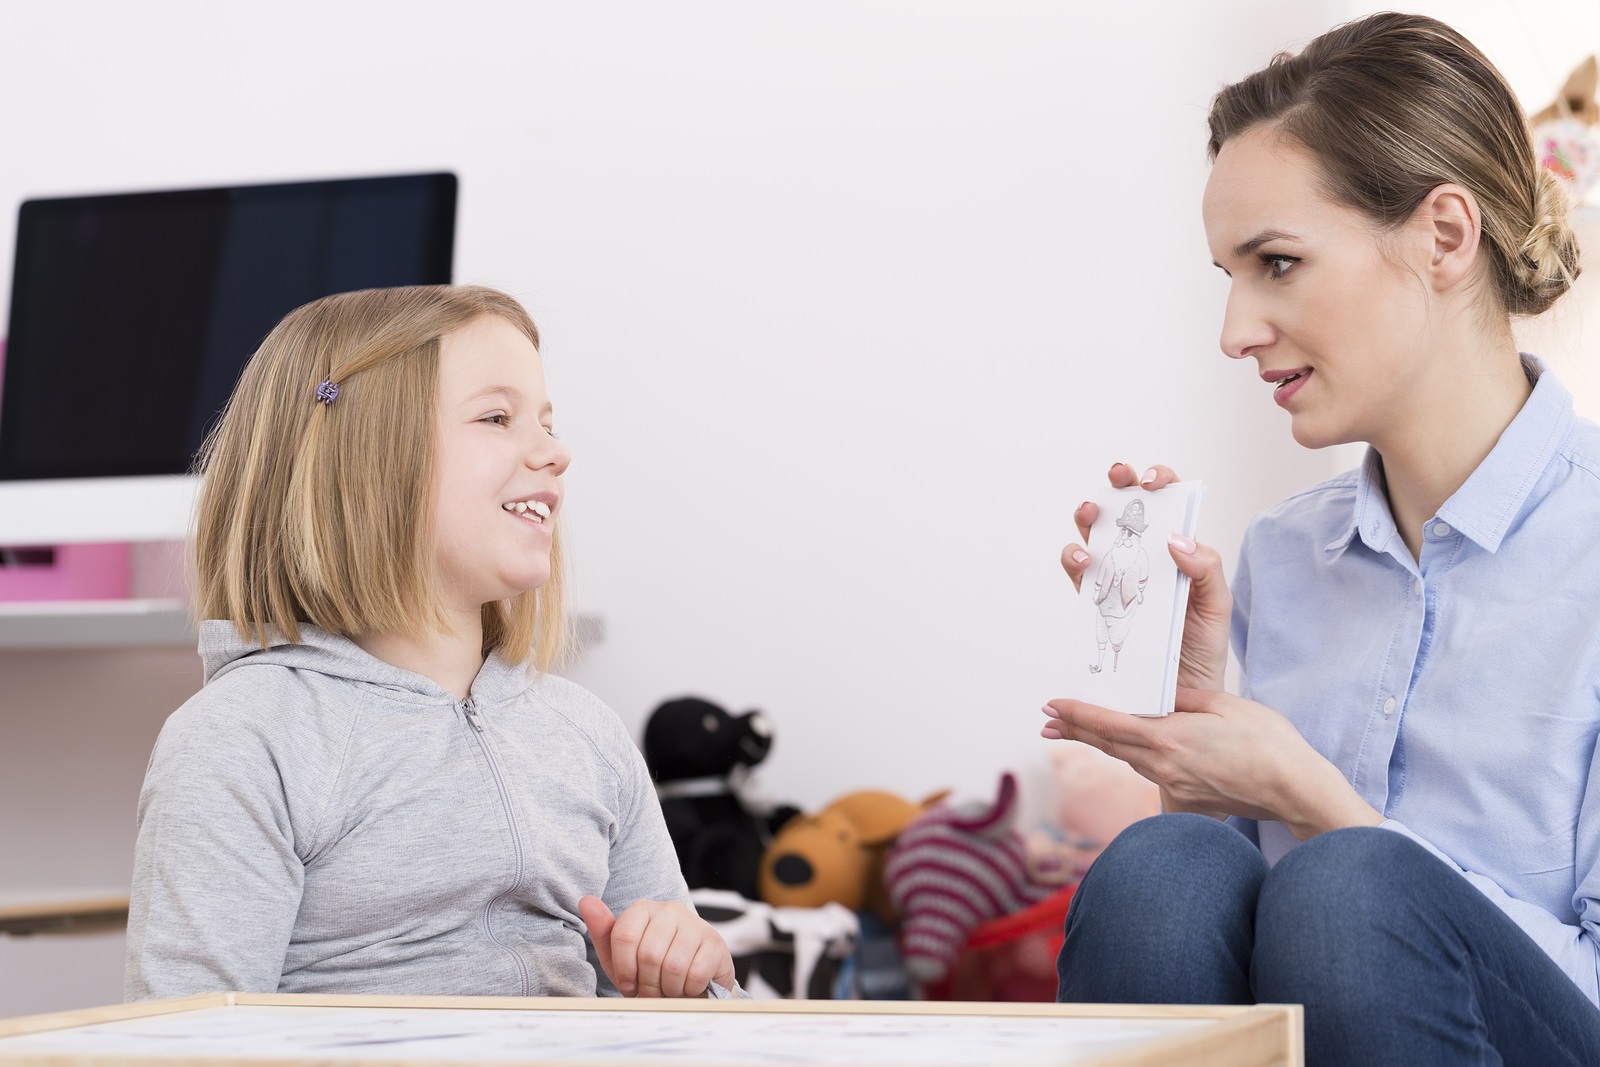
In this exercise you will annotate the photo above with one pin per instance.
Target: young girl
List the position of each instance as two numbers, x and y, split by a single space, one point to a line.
375 791
1409 771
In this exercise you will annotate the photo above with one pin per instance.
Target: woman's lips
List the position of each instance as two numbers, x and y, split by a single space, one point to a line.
1289 385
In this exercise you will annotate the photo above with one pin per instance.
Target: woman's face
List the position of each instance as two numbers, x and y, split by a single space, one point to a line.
1336 324
497 466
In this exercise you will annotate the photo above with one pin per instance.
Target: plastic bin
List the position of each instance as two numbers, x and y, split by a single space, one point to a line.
1012 958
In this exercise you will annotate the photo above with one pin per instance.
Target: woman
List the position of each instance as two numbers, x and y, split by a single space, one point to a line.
1414 848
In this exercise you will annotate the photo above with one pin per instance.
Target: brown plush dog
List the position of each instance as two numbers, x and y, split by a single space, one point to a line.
837 854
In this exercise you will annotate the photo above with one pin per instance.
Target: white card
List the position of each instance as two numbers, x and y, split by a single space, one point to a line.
1128 622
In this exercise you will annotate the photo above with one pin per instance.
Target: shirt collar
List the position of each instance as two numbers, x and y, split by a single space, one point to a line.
1370 515
1494 494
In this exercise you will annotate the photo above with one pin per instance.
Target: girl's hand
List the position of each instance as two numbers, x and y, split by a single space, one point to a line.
1220 754
1204 656
657 949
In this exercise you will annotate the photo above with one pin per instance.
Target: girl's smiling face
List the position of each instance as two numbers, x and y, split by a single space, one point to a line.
1336 322
497 466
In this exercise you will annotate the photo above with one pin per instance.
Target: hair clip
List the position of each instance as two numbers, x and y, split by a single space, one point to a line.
327 392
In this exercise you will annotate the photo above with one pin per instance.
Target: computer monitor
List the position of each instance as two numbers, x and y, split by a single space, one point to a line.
132 315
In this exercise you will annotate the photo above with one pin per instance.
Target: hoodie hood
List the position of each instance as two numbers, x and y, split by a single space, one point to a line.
223 650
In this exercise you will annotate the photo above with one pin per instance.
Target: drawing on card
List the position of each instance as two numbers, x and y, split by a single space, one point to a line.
1119 585
1127 627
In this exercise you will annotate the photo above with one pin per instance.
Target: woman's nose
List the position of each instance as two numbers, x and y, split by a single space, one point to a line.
1245 329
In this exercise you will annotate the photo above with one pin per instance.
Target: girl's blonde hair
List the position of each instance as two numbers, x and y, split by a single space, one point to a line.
1394 106
318 513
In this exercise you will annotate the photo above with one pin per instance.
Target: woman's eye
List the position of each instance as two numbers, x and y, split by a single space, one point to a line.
551 430
499 419
1278 266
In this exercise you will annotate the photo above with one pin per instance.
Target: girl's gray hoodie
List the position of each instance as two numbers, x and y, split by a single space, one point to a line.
317 820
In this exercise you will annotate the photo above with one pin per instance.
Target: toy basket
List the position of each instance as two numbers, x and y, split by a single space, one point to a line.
1010 958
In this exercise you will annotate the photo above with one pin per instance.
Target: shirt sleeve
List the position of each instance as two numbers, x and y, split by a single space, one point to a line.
216 881
1239 634
643 865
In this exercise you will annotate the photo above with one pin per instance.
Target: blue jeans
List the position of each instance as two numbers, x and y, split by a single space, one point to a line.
1396 957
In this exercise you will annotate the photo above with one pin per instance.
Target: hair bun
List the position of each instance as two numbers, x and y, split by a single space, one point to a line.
1393 106
1548 258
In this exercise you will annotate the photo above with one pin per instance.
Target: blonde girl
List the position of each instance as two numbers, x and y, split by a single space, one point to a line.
379 789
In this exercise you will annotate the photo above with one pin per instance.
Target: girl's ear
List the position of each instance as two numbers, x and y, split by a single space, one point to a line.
1449 221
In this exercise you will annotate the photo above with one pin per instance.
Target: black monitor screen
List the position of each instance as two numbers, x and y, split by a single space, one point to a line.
132 315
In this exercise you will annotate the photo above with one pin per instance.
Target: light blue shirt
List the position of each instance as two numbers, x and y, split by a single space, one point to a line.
1459 693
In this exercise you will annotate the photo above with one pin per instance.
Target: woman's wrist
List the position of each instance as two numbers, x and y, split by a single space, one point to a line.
1323 800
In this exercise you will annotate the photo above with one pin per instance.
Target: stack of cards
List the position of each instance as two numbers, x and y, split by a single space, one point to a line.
1128 624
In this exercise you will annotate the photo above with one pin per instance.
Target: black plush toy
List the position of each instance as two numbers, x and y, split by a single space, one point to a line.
697 753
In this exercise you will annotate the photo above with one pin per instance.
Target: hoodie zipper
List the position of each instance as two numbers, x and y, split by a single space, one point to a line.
470 710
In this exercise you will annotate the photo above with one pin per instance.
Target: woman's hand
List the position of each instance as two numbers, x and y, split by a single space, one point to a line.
1204 656
1220 754
657 949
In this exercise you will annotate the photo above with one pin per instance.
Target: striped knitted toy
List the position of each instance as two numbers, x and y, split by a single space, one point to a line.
951 869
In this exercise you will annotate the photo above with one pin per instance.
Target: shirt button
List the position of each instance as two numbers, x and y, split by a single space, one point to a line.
1388 706
1419 585
1441 529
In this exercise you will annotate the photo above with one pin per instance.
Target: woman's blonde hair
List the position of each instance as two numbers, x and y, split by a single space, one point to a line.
318 513
1394 106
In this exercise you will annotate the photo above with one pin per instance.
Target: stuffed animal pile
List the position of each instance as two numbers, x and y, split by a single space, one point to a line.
698 754
954 867
930 871
1093 798
836 855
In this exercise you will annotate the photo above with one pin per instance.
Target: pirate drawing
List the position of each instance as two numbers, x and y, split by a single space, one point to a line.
1119 587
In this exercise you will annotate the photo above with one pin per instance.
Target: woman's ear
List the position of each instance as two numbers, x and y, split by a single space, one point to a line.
1449 221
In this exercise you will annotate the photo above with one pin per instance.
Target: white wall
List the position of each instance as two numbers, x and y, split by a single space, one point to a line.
891 308
846 306
1534 43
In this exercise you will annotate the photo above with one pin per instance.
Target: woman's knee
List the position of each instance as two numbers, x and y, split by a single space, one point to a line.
1178 834
1357 923
1177 857
1164 915
1183 841
1351 874
1345 899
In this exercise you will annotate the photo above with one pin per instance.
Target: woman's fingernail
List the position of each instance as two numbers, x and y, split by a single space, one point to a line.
1080 557
1048 710
1048 730
1149 476
1181 543
1083 505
